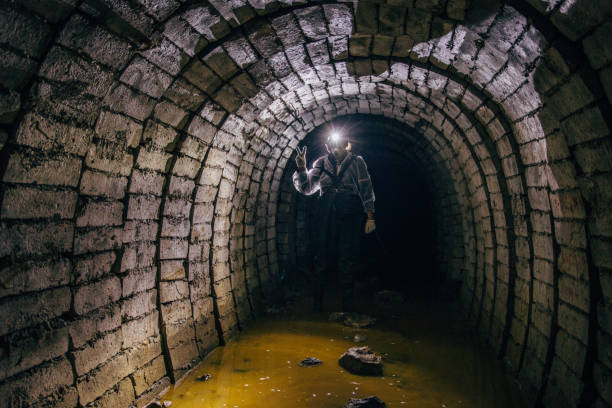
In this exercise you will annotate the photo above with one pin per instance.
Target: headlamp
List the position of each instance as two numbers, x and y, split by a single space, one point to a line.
335 138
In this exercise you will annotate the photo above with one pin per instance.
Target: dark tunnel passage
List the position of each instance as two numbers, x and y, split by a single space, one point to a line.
401 254
147 214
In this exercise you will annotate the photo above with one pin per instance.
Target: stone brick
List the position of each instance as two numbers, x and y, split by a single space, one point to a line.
181 332
27 310
241 52
35 239
172 270
10 104
170 114
132 103
103 185
146 182
175 228
339 19
185 95
576 19
184 355
99 381
312 22
574 322
571 351
96 353
207 22
584 126
40 382
143 207
16 70
159 388
33 276
61 66
100 213
176 312
186 167
99 321
146 77
81 34
41 168
93 267
122 395
95 295
601 253
109 158
99 239
139 305
575 91
202 77
24 202
138 281
26 33
170 291
45 134
173 248
221 63
25 351
148 375
177 207
140 330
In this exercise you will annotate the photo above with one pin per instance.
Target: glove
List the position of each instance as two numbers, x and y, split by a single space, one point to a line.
300 159
370 225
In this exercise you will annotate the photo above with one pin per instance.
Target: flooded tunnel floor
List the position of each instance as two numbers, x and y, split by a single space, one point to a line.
430 359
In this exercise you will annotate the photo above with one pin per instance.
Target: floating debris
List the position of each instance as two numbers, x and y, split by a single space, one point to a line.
368 402
310 362
204 377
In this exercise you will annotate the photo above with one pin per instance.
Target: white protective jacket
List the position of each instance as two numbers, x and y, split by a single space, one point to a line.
351 176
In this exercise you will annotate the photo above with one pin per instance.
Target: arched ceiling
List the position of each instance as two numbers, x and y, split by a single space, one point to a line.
150 139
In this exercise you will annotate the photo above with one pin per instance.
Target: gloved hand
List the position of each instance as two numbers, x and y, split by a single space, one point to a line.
370 225
300 159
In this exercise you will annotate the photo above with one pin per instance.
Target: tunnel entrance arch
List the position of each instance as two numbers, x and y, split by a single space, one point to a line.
142 148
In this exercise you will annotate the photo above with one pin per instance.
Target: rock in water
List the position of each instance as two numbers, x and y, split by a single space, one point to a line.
369 402
203 378
362 361
310 362
358 321
359 338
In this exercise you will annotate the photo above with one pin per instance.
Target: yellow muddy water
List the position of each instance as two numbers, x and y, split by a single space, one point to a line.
430 359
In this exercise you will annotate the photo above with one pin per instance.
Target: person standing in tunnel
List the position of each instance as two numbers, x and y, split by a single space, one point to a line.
345 194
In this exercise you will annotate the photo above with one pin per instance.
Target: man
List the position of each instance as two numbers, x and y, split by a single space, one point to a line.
345 193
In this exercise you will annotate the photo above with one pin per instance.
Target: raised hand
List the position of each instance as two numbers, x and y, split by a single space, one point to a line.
300 158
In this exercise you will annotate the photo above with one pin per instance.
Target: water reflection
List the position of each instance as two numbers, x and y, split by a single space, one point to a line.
430 360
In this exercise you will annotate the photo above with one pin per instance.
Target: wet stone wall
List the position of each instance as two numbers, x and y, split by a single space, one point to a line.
145 214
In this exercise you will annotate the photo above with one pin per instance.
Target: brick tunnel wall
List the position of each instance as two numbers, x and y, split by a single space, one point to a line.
144 144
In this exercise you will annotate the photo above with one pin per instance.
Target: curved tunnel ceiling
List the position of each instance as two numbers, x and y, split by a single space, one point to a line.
144 146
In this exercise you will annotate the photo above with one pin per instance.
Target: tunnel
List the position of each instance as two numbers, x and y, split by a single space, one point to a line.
147 211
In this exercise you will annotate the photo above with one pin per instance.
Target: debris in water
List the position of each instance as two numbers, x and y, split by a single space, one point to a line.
310 362
369 402
203 378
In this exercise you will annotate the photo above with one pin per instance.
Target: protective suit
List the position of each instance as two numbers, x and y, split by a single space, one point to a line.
345 193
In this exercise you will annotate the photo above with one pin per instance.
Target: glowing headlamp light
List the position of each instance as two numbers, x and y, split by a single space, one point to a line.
335 138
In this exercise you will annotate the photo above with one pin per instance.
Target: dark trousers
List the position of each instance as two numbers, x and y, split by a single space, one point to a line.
338 226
